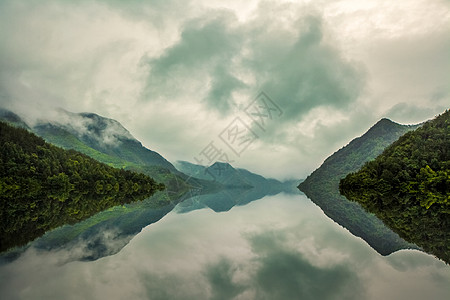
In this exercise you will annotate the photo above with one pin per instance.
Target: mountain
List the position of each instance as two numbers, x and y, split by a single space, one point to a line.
107 141
408 186
12 119
220 172
43 186
226 174
322 186
102 134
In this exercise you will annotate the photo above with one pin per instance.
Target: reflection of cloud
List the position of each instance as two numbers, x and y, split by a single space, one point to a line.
278 271
285 273
220 277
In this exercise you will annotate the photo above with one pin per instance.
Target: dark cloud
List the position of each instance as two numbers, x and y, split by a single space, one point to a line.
295 65
305 72
222 86
204 52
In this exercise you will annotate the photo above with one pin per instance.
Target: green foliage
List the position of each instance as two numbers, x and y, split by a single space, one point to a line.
408 186
166 174
322 186
43 186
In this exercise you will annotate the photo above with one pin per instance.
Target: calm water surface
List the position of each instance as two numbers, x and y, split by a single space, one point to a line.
278 247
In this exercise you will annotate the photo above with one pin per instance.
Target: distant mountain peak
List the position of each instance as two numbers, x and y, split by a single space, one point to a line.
221 164
227 175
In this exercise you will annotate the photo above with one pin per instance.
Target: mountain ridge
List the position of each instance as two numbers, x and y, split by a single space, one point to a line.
225 174
104 135
322 186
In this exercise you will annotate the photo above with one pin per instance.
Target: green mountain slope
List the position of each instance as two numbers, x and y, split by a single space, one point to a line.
408 186
43 186
322 186
104 135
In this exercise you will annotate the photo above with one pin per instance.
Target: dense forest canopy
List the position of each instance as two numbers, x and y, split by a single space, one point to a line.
408 186
43 186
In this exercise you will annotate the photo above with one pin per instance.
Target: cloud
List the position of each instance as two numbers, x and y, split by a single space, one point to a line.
304 72
409 113
294 63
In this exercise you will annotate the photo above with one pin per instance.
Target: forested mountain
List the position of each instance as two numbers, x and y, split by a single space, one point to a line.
322 186
408 186
43 186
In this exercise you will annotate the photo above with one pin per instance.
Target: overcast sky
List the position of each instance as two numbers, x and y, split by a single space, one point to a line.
180 75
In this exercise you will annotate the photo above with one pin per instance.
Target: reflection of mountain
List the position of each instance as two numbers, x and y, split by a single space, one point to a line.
225 199
109 231
105 233
322 187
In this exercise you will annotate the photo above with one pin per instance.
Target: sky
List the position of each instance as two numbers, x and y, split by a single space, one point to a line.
271 86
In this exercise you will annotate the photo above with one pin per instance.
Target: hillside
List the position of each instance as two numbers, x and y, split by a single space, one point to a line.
107 141
107 136
408 186
43 186
322 186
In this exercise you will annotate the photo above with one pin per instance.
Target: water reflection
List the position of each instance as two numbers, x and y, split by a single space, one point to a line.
107 232
279 247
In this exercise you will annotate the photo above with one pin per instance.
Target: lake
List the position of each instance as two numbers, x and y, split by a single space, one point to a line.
277 247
